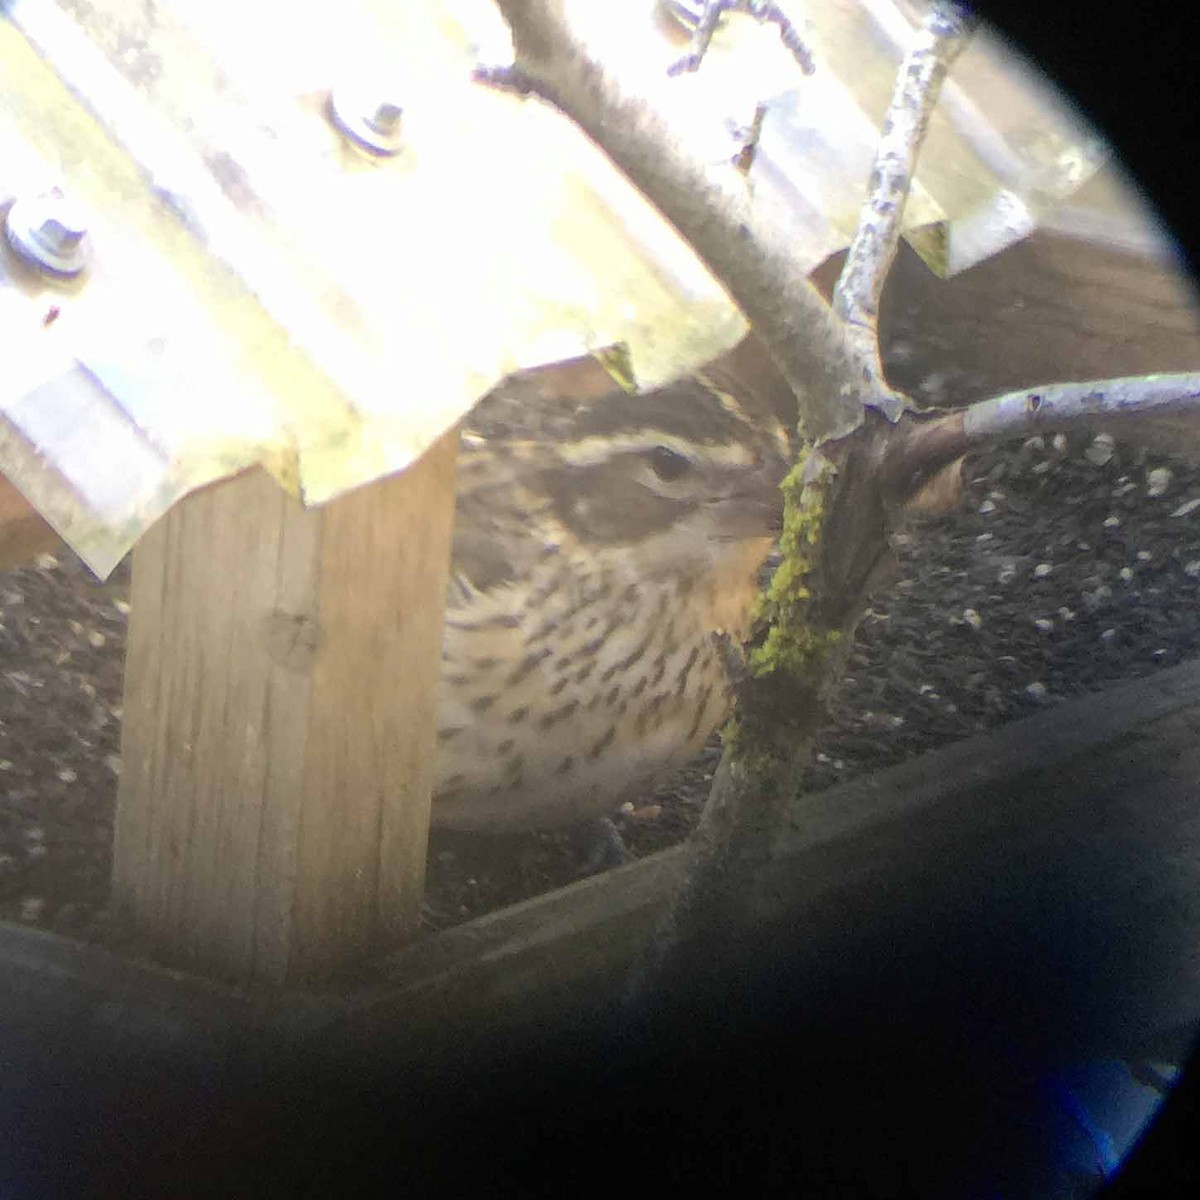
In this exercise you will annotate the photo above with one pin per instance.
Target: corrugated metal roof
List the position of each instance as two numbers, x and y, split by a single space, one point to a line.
259 290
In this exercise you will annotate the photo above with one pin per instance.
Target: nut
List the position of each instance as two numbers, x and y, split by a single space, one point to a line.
372 124
49 231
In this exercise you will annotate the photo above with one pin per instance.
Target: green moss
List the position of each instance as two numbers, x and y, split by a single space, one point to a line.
796 648
791 643
789 648
744 742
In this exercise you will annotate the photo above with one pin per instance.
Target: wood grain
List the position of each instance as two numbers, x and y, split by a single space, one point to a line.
279 723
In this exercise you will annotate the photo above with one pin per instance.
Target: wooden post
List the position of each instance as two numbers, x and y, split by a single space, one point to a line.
279 723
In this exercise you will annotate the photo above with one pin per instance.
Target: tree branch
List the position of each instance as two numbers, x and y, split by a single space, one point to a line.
712 210
840 499
1062 405
943 35
836 516
839 508
835 528
1162 411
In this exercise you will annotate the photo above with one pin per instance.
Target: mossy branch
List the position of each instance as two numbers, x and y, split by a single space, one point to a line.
791 644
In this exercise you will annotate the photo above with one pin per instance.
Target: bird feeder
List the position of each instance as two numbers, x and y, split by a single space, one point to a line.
257 270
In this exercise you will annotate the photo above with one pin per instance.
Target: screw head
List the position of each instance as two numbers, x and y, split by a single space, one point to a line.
373 124
49 231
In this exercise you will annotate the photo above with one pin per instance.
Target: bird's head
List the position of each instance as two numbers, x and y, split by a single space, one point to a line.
681 479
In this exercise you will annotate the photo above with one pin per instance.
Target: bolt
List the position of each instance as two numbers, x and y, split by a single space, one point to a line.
386 118
49 231
374 125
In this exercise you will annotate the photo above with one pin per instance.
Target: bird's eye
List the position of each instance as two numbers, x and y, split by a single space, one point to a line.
667 464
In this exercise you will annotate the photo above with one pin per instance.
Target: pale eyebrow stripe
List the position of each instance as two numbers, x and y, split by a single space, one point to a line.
591 450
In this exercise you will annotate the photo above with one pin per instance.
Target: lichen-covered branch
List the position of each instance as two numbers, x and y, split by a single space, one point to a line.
840 502
835 528
1061 405
942 37
1161 411
710 207
836 518
858 468
766 748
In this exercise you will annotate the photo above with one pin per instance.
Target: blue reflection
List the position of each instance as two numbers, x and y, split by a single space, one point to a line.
1110 1104
1085 1120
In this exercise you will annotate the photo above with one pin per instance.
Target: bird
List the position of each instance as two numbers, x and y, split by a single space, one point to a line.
604 543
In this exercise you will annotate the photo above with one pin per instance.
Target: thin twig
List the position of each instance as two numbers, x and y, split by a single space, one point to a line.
744 159
706 25
763 11
942 37
1158 410
1059 405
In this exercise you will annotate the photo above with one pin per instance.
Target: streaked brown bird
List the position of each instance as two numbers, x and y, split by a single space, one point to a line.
602 542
